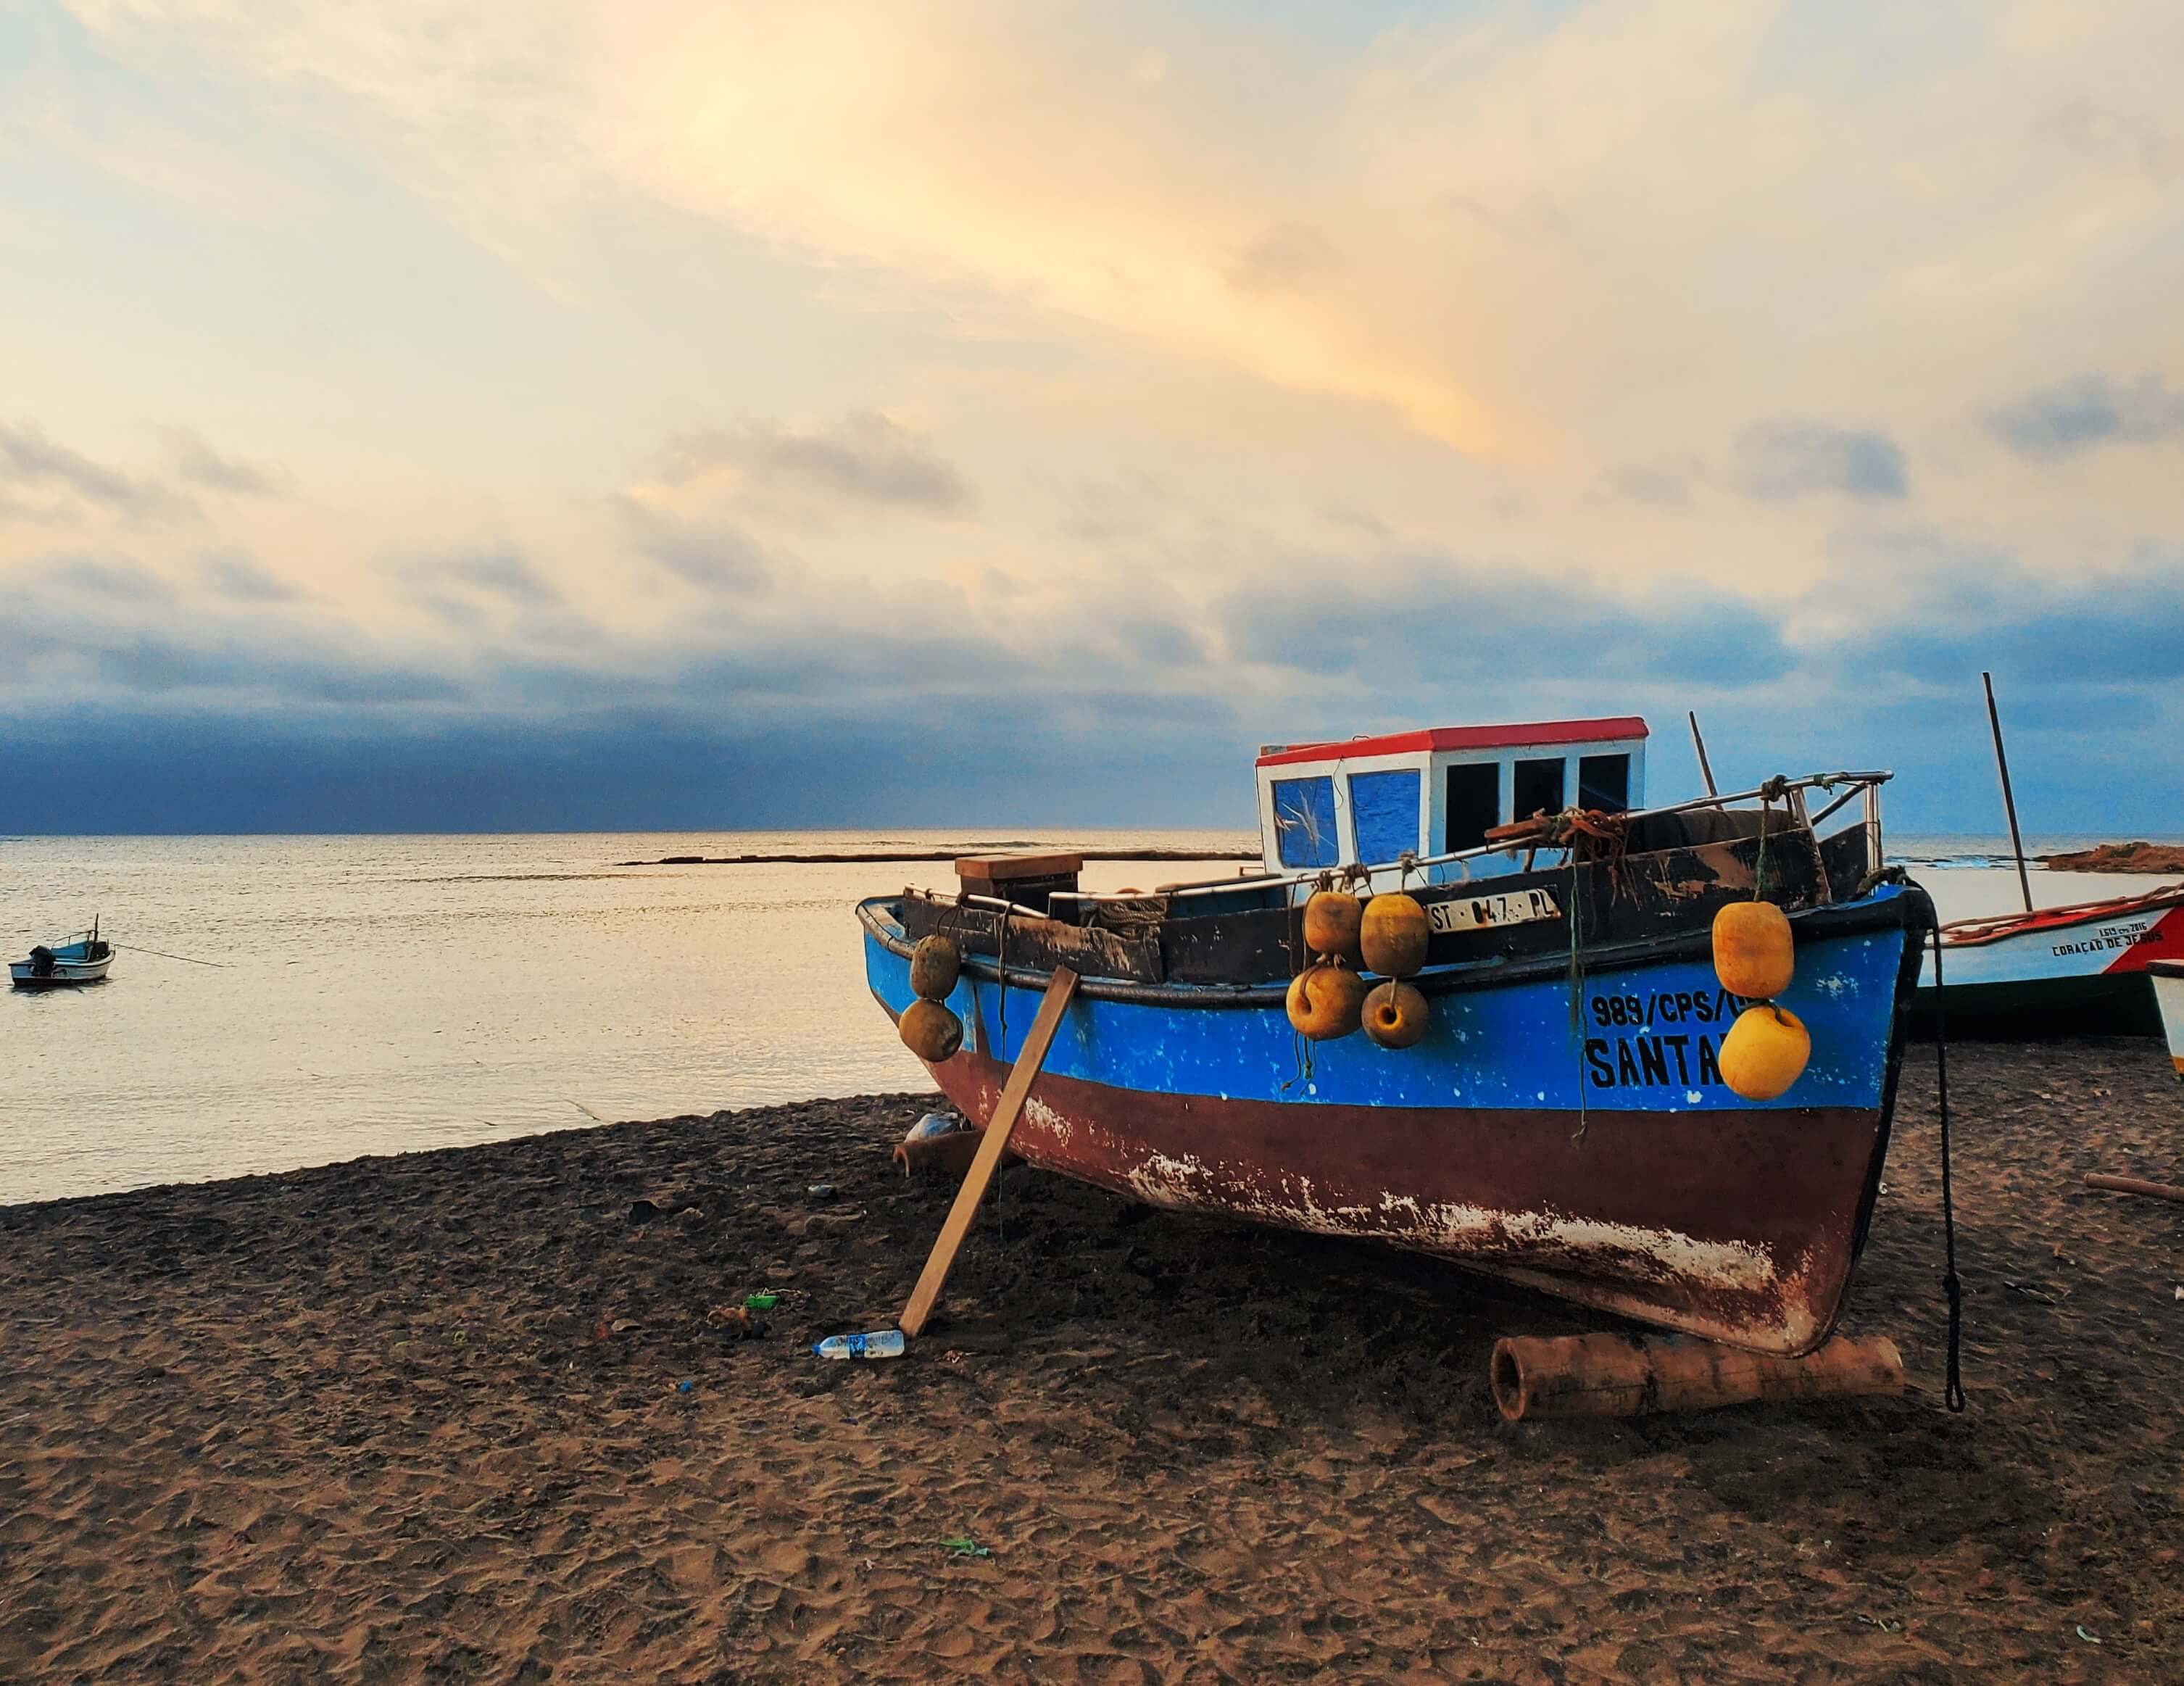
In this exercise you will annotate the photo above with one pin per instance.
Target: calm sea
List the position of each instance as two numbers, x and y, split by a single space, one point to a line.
379 994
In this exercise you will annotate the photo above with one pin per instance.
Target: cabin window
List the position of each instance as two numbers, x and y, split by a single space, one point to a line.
1304 822
1474 804
1538 789
1603 782
1383 811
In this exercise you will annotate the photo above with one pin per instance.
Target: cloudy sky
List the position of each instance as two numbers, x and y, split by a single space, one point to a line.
424 414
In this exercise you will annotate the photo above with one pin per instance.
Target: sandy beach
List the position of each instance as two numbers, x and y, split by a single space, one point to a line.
425 1418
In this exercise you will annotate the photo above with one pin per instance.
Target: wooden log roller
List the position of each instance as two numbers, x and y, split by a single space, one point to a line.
1606 1375
948 1155
2134 1185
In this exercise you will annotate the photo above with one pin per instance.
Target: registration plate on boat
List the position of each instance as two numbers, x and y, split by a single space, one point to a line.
1476 913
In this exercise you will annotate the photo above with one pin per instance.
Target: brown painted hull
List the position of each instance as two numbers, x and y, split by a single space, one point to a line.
1741 1227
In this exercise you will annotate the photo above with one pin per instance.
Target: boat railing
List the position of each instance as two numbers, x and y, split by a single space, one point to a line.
1013 909
1866 783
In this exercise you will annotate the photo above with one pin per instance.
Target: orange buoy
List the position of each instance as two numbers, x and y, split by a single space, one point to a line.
1331 919
1392 935
1752 954
1764 1052
1324 1001
930 1031
935 964
1395 1015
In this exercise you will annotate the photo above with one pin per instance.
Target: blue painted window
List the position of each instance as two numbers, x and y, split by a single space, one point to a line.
1383 810
1304 822
1603 782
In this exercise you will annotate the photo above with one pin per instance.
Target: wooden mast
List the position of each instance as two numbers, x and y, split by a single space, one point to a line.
2009 801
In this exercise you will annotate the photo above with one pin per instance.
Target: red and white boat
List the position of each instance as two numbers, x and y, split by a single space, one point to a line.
2079 968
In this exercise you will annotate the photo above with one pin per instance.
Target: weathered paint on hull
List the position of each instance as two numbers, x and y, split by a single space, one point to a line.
1650 1216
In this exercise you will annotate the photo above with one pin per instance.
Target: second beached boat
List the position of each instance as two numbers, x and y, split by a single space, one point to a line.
2058 970
1563 1121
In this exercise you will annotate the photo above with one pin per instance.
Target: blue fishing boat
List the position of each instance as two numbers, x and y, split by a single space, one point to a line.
1562 1117
82 960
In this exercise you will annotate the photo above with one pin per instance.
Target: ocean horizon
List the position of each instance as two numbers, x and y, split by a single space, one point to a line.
284 1001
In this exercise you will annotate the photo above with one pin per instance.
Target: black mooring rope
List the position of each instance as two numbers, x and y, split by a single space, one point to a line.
1952 1394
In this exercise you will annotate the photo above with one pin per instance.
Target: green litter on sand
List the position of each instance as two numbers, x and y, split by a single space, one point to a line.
964 1546
760 1302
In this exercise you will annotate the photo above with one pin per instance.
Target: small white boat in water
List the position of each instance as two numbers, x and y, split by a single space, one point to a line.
84 959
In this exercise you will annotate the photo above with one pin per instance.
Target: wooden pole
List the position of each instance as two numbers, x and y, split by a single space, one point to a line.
2009 801
2132 1185
993 1144
1706 767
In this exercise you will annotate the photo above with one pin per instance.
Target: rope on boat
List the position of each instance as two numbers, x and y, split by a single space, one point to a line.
135 949
1577 1001
1293 944
1953 1392
1776 789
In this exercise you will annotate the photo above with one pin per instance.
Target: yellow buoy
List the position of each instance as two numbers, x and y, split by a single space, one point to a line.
1331 919
935 964
1764 1052
930 1031
1324 1001
1395 1015
1752 954
1392 935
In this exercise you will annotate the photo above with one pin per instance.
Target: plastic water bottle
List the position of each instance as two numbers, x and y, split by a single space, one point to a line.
880 1343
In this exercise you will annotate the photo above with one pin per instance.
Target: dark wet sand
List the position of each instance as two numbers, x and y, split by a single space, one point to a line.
416 1419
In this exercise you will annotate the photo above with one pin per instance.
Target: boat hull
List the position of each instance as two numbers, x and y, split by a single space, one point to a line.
66 974
1649 1215
1602 1162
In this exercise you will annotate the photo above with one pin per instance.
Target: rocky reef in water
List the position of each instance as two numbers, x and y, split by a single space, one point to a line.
2120 857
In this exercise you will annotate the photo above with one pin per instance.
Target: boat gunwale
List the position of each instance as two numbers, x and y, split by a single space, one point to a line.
2000 928
1884 907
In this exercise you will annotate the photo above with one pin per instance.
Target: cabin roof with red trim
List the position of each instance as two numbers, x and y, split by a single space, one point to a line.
1614 729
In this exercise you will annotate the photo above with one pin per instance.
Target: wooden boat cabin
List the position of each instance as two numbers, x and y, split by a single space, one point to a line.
1416 810
1439 792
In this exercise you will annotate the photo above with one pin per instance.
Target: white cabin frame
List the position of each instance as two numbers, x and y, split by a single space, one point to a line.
1344 761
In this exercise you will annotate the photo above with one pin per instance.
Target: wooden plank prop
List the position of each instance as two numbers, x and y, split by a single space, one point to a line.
991 1145
948 1155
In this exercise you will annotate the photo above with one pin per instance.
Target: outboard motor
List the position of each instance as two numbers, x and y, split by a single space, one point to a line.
41 961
